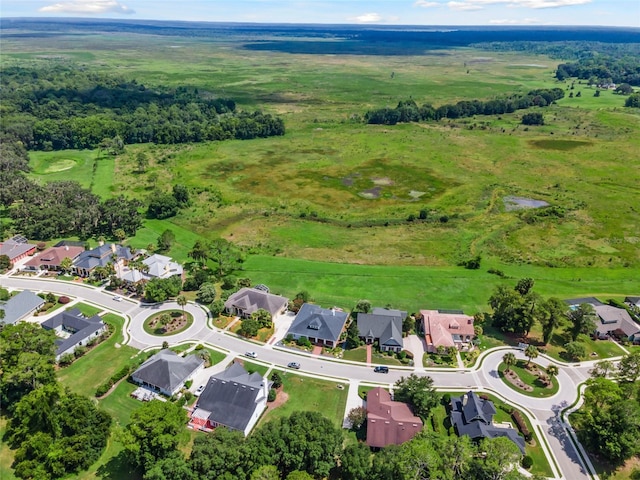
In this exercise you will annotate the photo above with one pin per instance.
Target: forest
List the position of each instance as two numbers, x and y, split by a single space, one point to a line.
61 106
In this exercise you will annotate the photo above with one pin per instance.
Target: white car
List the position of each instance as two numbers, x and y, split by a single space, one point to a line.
251 354
117 298
199 390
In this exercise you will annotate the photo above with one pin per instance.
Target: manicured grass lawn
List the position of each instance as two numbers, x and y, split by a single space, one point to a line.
158 329
86 310
540 464
222 321
253 367
310 394
384 359
91 370
363 390
215 356
6 455
539 388
356 354
264 334
119 402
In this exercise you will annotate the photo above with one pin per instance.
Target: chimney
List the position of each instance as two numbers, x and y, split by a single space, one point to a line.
113 247
66 247
464 399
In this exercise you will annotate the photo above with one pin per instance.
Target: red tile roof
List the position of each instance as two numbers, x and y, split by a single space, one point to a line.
441 327
389 422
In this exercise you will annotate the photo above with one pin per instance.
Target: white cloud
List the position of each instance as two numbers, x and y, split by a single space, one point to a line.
426 4
463 6
367 18
534 4
87 7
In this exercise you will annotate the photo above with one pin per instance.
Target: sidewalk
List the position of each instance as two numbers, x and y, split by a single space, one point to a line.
353 401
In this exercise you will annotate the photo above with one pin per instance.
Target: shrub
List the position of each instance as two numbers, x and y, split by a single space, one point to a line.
527 462
199 347
78 352
304 342
66 359
188 384
272 395
276 379
446 399
522 426
64 300
534 118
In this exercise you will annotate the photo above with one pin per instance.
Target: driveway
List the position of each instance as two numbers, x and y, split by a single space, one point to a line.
417 346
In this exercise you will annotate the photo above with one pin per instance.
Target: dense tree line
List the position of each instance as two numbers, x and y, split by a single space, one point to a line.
304 446
54 432
598 69
409 111
567 50
57 106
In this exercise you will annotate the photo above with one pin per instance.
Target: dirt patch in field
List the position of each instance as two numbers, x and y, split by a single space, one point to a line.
371 193
562 145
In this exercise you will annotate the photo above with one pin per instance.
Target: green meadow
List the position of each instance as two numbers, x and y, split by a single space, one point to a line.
339 194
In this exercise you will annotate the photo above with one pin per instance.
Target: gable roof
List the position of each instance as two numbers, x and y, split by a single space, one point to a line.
101 256
74 321
613 318
473 416
632 300
231 397
250 300
54 256
317 322
161 266
20 305
14 249
444 328
386 325
579 301
389 422
167 370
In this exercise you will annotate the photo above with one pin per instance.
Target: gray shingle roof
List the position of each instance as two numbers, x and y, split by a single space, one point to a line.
317 322
167 370
231 397
13 249
17 307
579 301
386 325
73 321
615 319
475 418
250 300
101 256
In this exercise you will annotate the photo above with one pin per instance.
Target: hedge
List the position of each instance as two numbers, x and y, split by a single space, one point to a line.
522 425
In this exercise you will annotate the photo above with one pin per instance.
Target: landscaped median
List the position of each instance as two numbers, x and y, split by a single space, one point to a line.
167 322
529 379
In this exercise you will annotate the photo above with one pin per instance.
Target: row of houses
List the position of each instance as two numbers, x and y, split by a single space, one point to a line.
323 326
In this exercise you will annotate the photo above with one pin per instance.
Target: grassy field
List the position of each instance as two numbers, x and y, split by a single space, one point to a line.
310 394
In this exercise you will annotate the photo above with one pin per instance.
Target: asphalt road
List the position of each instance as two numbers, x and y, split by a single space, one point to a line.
543 412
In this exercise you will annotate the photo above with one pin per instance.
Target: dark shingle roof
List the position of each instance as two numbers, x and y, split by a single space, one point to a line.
101 256
252 299
231 397
167 370
579 301
383 324
73 321
474 419
317 322
20 305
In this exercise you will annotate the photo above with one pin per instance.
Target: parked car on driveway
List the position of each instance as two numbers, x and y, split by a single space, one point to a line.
251 354
295 365
199 390
380 369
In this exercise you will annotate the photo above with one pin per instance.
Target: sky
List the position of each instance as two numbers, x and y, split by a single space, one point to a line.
384 12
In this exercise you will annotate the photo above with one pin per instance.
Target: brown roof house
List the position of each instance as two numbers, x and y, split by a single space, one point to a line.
389 422
447 329
52 257
248 300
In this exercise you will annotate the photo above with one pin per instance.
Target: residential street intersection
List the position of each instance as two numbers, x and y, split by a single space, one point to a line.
543 413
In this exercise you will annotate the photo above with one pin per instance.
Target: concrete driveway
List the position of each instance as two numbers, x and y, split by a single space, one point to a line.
417 346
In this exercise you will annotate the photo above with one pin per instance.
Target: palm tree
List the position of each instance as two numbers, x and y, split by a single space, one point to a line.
182 301
65 264
552 371
531 352
509 360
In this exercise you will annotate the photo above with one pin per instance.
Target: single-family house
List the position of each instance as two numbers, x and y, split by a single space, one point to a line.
574 302
389 422
20 306
155 266
447 328
248 300
615 322
233 398
17 248
632 301
166 371
321 326
384 326
473 416
101 256
74 329
52 258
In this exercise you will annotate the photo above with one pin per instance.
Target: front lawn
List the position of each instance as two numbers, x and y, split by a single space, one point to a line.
310 394
253 367
358 354
85 374
434 360
222 321
86 310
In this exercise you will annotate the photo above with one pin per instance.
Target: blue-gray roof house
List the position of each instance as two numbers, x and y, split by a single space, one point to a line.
20 306
321 326
101 256
166 371
74 330
473 416
383 325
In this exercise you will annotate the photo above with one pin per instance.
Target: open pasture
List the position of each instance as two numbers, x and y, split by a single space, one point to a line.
336 189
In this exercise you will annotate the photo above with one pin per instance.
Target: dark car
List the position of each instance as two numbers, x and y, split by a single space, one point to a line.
381 369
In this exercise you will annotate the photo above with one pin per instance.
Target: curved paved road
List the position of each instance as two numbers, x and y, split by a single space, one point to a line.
544 413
